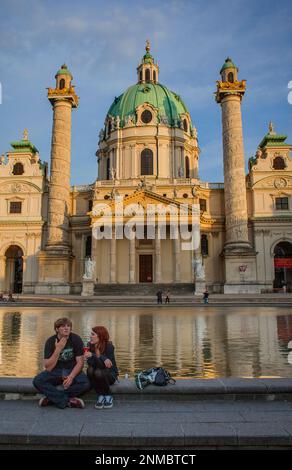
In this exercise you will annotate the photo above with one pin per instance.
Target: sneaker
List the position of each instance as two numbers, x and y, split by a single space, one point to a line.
108 401
76 403
100 402
44 401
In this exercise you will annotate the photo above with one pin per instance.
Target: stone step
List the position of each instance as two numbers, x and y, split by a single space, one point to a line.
143 289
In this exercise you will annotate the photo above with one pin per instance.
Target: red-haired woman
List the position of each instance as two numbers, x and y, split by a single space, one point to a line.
102 369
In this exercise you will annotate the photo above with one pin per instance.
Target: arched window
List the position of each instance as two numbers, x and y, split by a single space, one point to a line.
187 166
14 265
109 127
279 164
88 246
147 75
147 162
108 162
141 76
90 204
154 76
204 245
203 205
185 123
281 265
230 77
62 83
18 169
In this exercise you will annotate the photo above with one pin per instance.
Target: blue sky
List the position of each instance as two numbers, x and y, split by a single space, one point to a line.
102 43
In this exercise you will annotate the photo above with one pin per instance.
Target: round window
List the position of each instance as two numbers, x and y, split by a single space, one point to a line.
146 116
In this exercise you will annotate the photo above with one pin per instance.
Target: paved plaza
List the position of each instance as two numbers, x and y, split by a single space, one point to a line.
193 414
133 424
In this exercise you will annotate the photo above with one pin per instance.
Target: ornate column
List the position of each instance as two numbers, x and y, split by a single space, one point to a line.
176 246
177 153
74 202
26 273
238 252
157 255
133 161
54 262
229 95
113 258
2 272
62 100
132 260
182 161
119 160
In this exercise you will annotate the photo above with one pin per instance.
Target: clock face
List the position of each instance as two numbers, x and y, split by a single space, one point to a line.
146 116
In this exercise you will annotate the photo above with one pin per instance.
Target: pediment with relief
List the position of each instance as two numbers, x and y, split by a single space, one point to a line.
137 204
18 187
276 182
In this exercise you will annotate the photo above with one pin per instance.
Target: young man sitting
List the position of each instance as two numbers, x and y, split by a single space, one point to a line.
62 381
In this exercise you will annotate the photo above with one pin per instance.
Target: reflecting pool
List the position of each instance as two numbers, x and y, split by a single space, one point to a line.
189 342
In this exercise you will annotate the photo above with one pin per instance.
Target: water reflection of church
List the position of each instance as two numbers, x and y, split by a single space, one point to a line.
188 344
148 152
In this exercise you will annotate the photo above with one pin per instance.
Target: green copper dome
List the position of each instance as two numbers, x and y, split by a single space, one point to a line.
63 71
228 64
168 103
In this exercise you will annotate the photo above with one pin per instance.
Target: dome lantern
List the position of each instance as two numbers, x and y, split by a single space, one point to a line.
147 70
63 77
229 71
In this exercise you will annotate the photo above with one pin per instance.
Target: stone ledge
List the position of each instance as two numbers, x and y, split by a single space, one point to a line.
233 388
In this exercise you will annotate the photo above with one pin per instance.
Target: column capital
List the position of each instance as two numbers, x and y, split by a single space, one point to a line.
66 95
230 89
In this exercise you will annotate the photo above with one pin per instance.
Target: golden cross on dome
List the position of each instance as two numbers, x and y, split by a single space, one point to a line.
147 45
25 134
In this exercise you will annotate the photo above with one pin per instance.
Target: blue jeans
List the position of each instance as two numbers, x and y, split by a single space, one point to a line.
47 383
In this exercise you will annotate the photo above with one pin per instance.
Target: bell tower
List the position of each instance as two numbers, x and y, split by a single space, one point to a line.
240 258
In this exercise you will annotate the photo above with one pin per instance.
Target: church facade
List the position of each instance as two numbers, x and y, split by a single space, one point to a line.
124 231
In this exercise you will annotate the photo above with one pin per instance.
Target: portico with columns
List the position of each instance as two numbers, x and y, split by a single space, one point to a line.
136 252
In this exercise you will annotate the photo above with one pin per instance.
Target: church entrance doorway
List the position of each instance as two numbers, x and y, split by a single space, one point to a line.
283 266
145 268
14 269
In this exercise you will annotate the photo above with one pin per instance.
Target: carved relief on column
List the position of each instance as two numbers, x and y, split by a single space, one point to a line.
59 192
234 171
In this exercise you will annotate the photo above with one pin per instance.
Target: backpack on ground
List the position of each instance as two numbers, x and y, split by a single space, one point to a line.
155 376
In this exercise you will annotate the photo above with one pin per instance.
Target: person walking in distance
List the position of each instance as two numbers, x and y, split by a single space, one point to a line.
167 297
159 296
206 297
